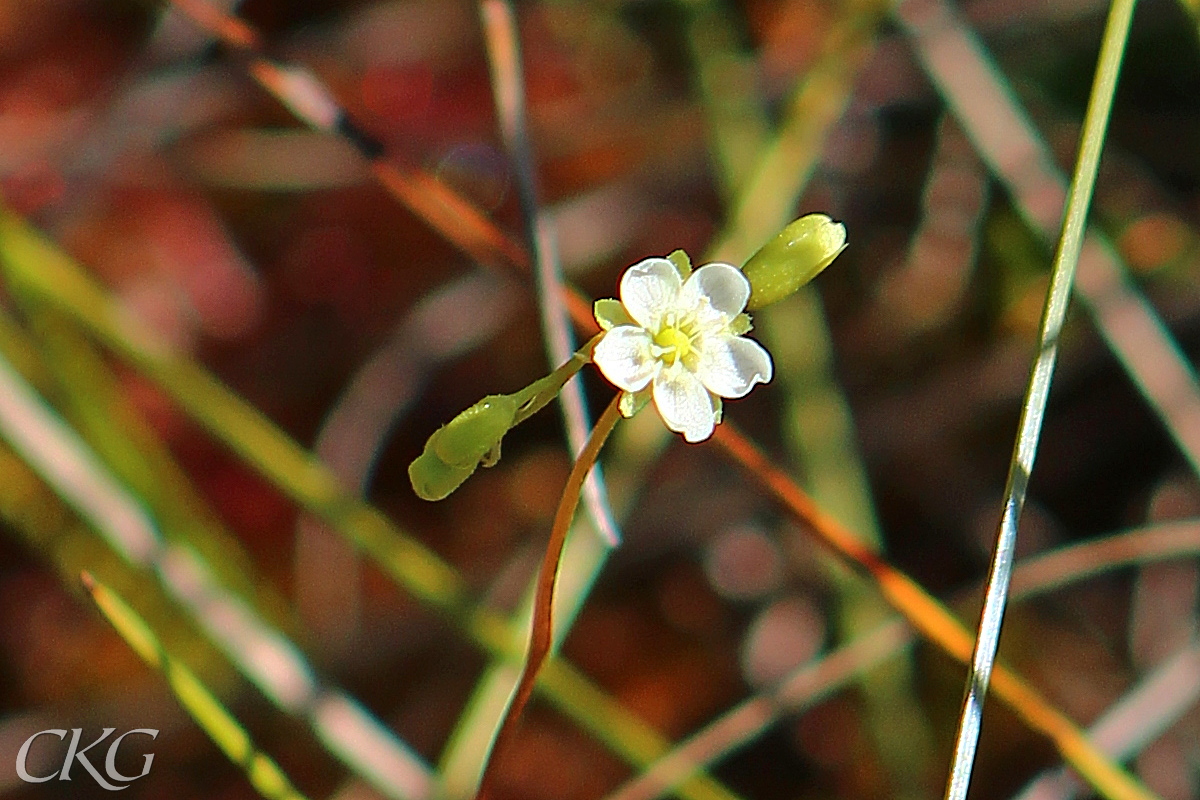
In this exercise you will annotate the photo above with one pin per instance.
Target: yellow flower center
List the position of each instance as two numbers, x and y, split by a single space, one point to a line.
675 343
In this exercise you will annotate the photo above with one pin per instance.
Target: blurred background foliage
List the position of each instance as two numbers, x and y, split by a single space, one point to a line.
273 254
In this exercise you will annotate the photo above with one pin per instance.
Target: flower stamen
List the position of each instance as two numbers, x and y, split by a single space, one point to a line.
675 344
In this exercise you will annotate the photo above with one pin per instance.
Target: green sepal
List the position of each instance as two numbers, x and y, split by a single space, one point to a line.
633 402
682 263
610 313
794 257
492 457
741 325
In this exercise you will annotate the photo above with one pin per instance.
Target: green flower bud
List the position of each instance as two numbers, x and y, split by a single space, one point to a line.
794 257
474 433
434 479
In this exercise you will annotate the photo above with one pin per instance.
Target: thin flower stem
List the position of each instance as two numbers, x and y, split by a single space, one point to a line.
537 395
542 627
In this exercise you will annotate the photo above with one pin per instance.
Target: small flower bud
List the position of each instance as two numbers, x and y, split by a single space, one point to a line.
457 448
434 479
794 257
470 436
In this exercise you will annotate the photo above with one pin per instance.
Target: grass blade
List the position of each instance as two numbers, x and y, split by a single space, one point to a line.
63 366
262 653
504 56
1033 409
819 429
382 390
215 720
465 756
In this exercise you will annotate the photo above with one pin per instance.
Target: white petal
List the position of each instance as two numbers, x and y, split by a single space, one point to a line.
725 288
683 403
729 366
624 356
648 289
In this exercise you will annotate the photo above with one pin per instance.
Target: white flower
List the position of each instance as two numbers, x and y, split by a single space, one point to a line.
680 341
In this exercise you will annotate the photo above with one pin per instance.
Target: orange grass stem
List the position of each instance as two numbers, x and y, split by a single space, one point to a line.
930 618
541 632
229 29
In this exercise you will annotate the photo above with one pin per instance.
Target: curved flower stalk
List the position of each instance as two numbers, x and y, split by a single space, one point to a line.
678 338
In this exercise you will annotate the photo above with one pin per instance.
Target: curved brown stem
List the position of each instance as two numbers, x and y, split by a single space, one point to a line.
541 634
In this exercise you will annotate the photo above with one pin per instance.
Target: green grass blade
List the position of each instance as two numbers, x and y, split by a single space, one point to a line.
72 375
1033 409
262 653
208 712
36 266
734 109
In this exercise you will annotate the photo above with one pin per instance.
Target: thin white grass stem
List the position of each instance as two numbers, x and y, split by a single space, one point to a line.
509 87
1079 198
1035 576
